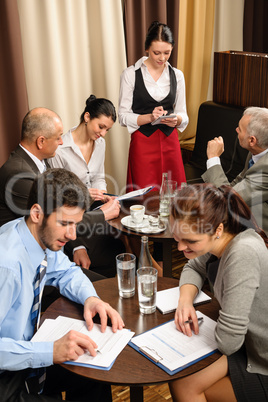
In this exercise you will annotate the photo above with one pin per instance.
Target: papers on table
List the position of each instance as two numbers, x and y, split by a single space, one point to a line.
110 344
167 300
173 351
131 194
168 116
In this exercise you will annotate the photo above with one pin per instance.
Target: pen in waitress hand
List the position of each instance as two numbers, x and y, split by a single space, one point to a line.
200 319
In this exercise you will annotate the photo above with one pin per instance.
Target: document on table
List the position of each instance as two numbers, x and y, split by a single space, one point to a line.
131 194
167 300
110 344
173 351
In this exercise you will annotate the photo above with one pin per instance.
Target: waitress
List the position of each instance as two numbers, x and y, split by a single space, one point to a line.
149 89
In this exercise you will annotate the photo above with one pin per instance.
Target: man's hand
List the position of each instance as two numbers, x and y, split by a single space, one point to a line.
215 147
93 305
71 346
111 209
81 258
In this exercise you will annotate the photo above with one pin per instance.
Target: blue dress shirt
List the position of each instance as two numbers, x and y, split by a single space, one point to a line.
20 255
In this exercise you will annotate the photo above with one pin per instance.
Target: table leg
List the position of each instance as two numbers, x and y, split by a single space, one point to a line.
136 394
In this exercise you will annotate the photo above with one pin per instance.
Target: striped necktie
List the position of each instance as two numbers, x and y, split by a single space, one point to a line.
36 379
250 163
41 271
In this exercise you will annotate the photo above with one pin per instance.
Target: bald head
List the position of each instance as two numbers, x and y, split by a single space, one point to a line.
41 132
38 121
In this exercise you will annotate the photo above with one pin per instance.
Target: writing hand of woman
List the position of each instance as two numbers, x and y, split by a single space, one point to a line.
97 195
157 112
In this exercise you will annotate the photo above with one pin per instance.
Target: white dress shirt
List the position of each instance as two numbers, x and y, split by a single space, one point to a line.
157 89
70 157
40 164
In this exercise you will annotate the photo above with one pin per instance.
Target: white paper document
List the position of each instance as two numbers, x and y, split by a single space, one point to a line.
172 350
110 344
167 300
130 195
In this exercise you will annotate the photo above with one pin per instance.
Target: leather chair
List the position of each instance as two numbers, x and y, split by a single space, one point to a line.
216 120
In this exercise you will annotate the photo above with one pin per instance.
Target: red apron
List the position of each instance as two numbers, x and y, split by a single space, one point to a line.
149 157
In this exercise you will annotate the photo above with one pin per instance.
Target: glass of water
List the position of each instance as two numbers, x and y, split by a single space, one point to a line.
126 267
147 288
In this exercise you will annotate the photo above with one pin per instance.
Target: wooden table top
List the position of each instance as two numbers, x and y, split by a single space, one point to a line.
130 367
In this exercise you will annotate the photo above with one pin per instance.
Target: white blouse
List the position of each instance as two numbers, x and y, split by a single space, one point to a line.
69 156
157 89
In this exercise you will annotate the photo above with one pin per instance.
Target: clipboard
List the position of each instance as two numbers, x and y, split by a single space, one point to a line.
155 355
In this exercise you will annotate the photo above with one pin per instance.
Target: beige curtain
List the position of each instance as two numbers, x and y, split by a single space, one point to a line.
196 23
71 49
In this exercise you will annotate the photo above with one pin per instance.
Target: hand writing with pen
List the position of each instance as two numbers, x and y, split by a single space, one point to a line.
185 316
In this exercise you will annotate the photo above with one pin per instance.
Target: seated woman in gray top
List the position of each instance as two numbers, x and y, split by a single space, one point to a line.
217 233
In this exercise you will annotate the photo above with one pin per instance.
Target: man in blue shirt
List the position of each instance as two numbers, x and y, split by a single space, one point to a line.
56 204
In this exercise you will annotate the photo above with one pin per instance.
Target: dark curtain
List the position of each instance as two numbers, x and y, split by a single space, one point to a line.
255 29
13 94
138 16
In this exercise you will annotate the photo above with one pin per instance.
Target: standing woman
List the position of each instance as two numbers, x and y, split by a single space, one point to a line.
149 89
83 148
217 233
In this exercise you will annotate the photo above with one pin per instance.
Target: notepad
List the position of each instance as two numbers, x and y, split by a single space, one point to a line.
159 119
167 300
173 351
131 194
110 343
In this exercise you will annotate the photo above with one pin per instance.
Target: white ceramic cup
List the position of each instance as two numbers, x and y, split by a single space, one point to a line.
137 213
126 268
147 288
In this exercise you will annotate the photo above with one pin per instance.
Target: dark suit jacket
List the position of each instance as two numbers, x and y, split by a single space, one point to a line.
251 184
16 178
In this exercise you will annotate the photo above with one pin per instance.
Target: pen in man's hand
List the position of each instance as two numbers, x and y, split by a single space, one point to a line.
200 319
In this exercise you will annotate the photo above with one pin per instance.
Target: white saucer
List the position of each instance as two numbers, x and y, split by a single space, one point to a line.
143 227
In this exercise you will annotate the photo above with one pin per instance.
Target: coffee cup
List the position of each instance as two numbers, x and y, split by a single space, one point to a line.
137 213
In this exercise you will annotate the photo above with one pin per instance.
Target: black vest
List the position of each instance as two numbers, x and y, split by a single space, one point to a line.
143 103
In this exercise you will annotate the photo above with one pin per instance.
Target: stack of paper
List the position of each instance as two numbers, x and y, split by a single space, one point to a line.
167 300
110 344
173 351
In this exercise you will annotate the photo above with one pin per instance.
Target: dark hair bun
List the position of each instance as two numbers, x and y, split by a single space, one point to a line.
90 99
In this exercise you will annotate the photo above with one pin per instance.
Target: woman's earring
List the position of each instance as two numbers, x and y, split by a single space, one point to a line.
85 123
217 237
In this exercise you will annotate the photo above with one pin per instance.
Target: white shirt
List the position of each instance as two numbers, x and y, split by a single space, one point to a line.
157 89
216 160
40 164
70 157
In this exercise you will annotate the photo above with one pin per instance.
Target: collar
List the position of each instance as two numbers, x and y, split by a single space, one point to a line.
40 164
34 250
259 156
141 61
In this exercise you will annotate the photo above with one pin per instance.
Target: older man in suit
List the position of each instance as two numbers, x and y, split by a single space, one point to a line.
252 182
40 136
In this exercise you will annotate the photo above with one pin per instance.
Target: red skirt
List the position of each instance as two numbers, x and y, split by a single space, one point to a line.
149 157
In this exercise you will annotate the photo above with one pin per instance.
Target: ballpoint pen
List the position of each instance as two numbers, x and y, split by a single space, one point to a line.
199 319
111 195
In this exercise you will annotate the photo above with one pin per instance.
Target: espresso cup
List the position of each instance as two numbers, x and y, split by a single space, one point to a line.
137 213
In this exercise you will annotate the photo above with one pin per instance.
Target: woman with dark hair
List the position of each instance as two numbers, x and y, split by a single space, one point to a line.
217 233
83 148
150 89
83 153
